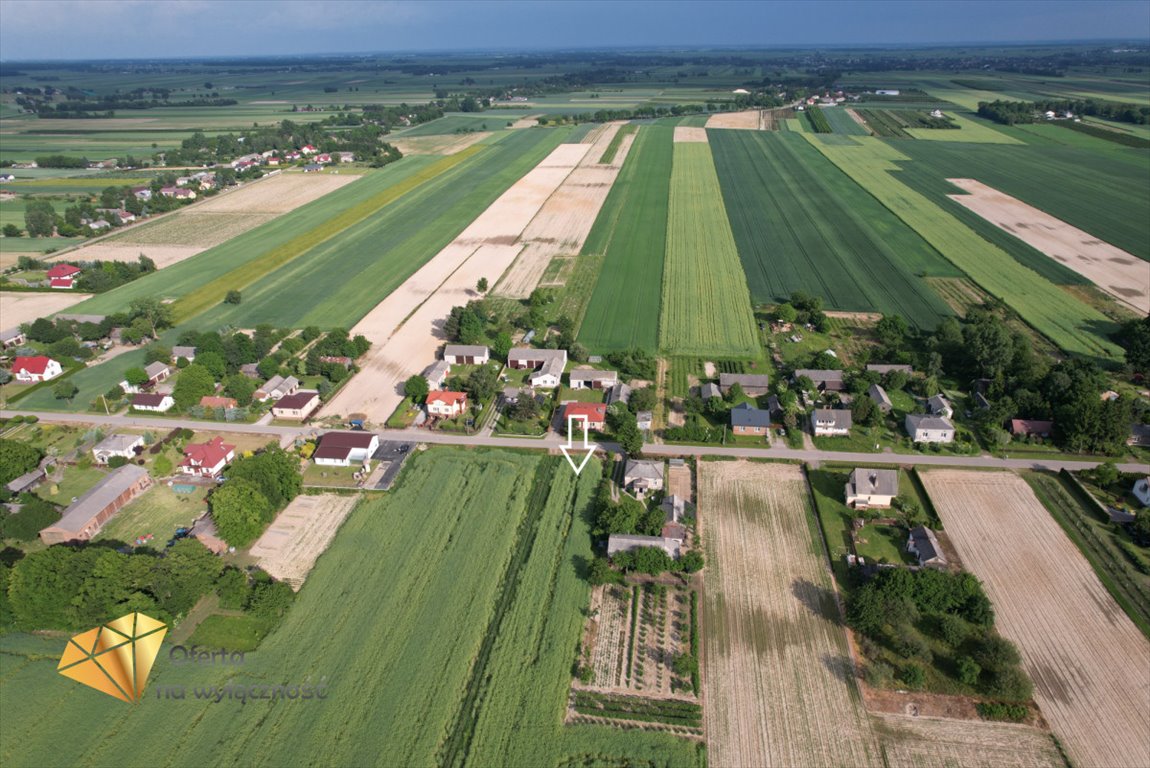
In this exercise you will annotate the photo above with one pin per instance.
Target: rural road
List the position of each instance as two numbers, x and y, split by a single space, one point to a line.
552 443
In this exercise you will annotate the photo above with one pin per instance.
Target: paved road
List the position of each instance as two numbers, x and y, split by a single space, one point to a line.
552 442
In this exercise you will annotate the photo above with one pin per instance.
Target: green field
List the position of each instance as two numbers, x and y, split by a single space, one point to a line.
801 224
971 130
631 231
706 304
420 670
841 122
452 123
159 512
1069 323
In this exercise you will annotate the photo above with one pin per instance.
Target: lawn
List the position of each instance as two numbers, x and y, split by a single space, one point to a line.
417 670
630 236
159 511
1071 324
801 224
77 481
317 475
706 305
567 394
234 633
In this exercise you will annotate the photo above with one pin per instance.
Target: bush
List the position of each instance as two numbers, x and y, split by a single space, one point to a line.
1010 683
233 589
25 525
913 676
117 461
997 710
878 674
968 671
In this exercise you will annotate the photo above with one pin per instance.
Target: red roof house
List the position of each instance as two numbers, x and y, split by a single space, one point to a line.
214 401
446 404
594 413
39 368
63 276
1026 427
206 459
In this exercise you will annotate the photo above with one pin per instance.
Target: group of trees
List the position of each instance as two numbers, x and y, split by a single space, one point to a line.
898 609
257 487
1012 112
341 132
100 276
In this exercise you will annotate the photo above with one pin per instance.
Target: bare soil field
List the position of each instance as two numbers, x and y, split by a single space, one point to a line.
406 328
565 220
1122 275
749 120
928 742
689 133
163 255
299 535
439 145
778 679
280 194
529 121
1089 663
679 483
17 308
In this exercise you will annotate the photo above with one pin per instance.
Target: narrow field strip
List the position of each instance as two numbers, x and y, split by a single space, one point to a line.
1085 656
778 675
1069 323
706 305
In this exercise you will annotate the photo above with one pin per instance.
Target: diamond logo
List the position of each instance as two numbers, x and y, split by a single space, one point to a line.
115 658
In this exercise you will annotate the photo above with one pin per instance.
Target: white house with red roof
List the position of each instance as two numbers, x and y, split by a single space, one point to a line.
323 158
63 276
594 413
308 149
39 368
206 459
446 404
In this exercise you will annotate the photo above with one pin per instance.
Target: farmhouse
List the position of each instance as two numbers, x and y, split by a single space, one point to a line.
929 429
644 419
63 276
924 545
277 387
885 368
39 368
748 420
1028 427
206 459
940 406
594 413
436 374
297 406
620 393
643 477
157 372
340 449
870 488
123 446
84 519
215 401
824 380
831 423
618 542
709 390
878 394
13 337
466 354
586 378
158 403
142 193
753 384
188 353
446 404
1141 490
548 365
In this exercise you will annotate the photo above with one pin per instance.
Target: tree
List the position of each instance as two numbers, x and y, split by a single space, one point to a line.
156 313
233 297
652 561
136 376
864 411
1106 474
891 331
187 572
692 561
17 458
988 343
11 230
1135 339
157 353
214 363
274 471
194 383
270 599
968 670
642 399
685 665
268 367
240 511
786 313
1140 528
65 390
735 393
39 218
502 345
240 388
481 286
416 388
526 408
600 572
481 384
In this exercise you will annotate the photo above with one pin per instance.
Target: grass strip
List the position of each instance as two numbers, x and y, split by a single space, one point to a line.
616 142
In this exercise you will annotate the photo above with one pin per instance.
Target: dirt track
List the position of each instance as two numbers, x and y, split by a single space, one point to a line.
406 327
19 308
1122 275
1089 663
749 120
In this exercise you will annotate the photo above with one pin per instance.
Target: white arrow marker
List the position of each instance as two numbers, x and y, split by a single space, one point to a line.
571 446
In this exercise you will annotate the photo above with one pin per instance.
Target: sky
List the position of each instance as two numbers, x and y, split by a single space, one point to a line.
102 29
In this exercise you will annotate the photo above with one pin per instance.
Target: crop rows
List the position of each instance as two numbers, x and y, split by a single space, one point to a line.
1069 323
616 141
631 232
800 224
666 711
706 304
817 120
780 684
884 122
841 122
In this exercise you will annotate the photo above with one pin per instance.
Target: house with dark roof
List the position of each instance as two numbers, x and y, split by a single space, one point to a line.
157 372
871 488
149 401
923 544
466 354
1139 435
924 428
13 337
885 368
880 397
1028 427
88 514
641 477
112 446
436 374
188 353
588 378
297 406
753 384
940 406
620 393
749 420
709 390
548 365
340 449
825 380
831 422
